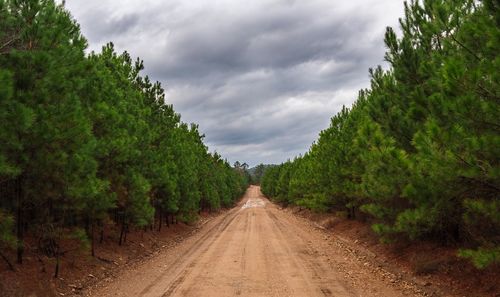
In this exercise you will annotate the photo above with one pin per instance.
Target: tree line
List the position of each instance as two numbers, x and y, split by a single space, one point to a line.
86 140
417 154
257 172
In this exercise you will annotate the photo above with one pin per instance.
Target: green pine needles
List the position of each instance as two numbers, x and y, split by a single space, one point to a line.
418 152
86 140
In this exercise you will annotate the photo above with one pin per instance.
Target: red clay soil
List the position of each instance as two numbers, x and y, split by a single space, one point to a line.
348 247
434 268
79 269
254 250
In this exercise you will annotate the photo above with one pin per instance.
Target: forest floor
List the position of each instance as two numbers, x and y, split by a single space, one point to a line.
261 249
78 270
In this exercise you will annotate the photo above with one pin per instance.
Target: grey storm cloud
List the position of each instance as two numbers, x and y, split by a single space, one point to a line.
261 78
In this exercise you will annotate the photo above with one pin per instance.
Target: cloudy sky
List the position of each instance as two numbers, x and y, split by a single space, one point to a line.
261 77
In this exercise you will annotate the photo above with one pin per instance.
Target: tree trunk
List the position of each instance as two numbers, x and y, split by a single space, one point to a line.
126 232
57 253
20 233
92 240
56 273
87 224
101 239
152 225
11 267
351 213
160 221
122 233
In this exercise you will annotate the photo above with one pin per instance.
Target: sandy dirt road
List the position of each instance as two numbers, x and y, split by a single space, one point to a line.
255 249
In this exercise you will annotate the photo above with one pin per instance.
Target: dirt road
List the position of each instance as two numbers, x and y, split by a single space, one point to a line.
255 249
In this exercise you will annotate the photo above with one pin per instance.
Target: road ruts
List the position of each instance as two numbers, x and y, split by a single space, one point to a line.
255 249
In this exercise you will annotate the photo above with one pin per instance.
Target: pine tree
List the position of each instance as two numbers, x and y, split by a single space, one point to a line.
53 142
418 151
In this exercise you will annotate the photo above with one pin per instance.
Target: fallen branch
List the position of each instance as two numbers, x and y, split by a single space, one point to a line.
104 260
11 267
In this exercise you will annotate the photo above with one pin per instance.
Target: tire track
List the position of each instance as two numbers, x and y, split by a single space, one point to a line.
250 251
195 247
207 240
